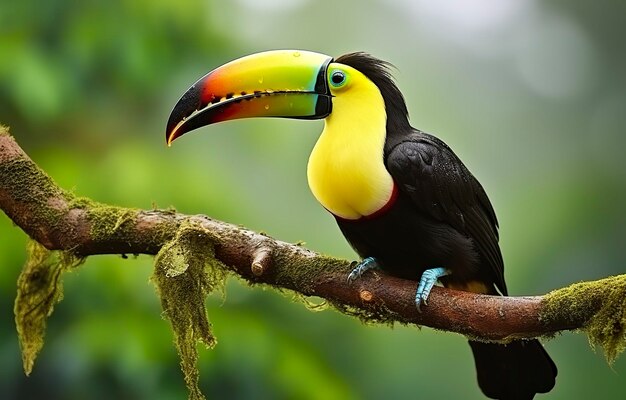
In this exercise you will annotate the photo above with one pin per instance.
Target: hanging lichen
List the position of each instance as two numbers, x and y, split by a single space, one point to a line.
39 288
186 271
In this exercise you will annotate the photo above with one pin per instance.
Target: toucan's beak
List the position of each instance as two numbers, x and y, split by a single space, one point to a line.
279 83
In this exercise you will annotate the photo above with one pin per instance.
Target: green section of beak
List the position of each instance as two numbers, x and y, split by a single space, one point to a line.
280 83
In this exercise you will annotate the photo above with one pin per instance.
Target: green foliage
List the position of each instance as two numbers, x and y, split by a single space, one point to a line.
64 51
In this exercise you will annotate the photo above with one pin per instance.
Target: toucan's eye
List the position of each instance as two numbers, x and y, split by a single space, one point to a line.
338 78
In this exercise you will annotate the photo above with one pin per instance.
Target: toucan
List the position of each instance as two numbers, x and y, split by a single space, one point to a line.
401 197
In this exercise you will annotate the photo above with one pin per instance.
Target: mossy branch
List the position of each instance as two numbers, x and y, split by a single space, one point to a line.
59 220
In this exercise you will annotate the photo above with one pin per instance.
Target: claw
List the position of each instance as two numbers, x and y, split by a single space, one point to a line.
365 265
427 281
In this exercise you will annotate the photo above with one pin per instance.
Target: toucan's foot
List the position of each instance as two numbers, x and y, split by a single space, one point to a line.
427 281
365 265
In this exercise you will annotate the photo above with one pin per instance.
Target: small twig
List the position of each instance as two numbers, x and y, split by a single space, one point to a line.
261 260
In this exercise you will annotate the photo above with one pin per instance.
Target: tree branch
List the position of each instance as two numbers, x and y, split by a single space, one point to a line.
61 221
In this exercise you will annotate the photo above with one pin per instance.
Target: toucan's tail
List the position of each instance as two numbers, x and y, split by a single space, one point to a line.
515 371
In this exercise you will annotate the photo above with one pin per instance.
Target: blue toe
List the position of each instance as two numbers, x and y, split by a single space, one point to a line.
428 280
365 265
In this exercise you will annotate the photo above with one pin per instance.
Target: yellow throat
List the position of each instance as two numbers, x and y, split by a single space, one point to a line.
346 170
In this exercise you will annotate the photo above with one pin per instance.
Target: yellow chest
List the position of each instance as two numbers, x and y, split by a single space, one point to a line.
346 171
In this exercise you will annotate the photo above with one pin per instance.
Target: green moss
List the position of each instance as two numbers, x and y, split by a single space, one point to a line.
601 305
4 130
185 272
39 288
300 272
106 221
21 175
112 222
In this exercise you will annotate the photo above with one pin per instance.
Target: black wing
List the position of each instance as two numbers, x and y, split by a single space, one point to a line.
428 171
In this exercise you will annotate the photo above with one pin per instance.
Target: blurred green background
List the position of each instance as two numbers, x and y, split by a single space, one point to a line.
531 95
